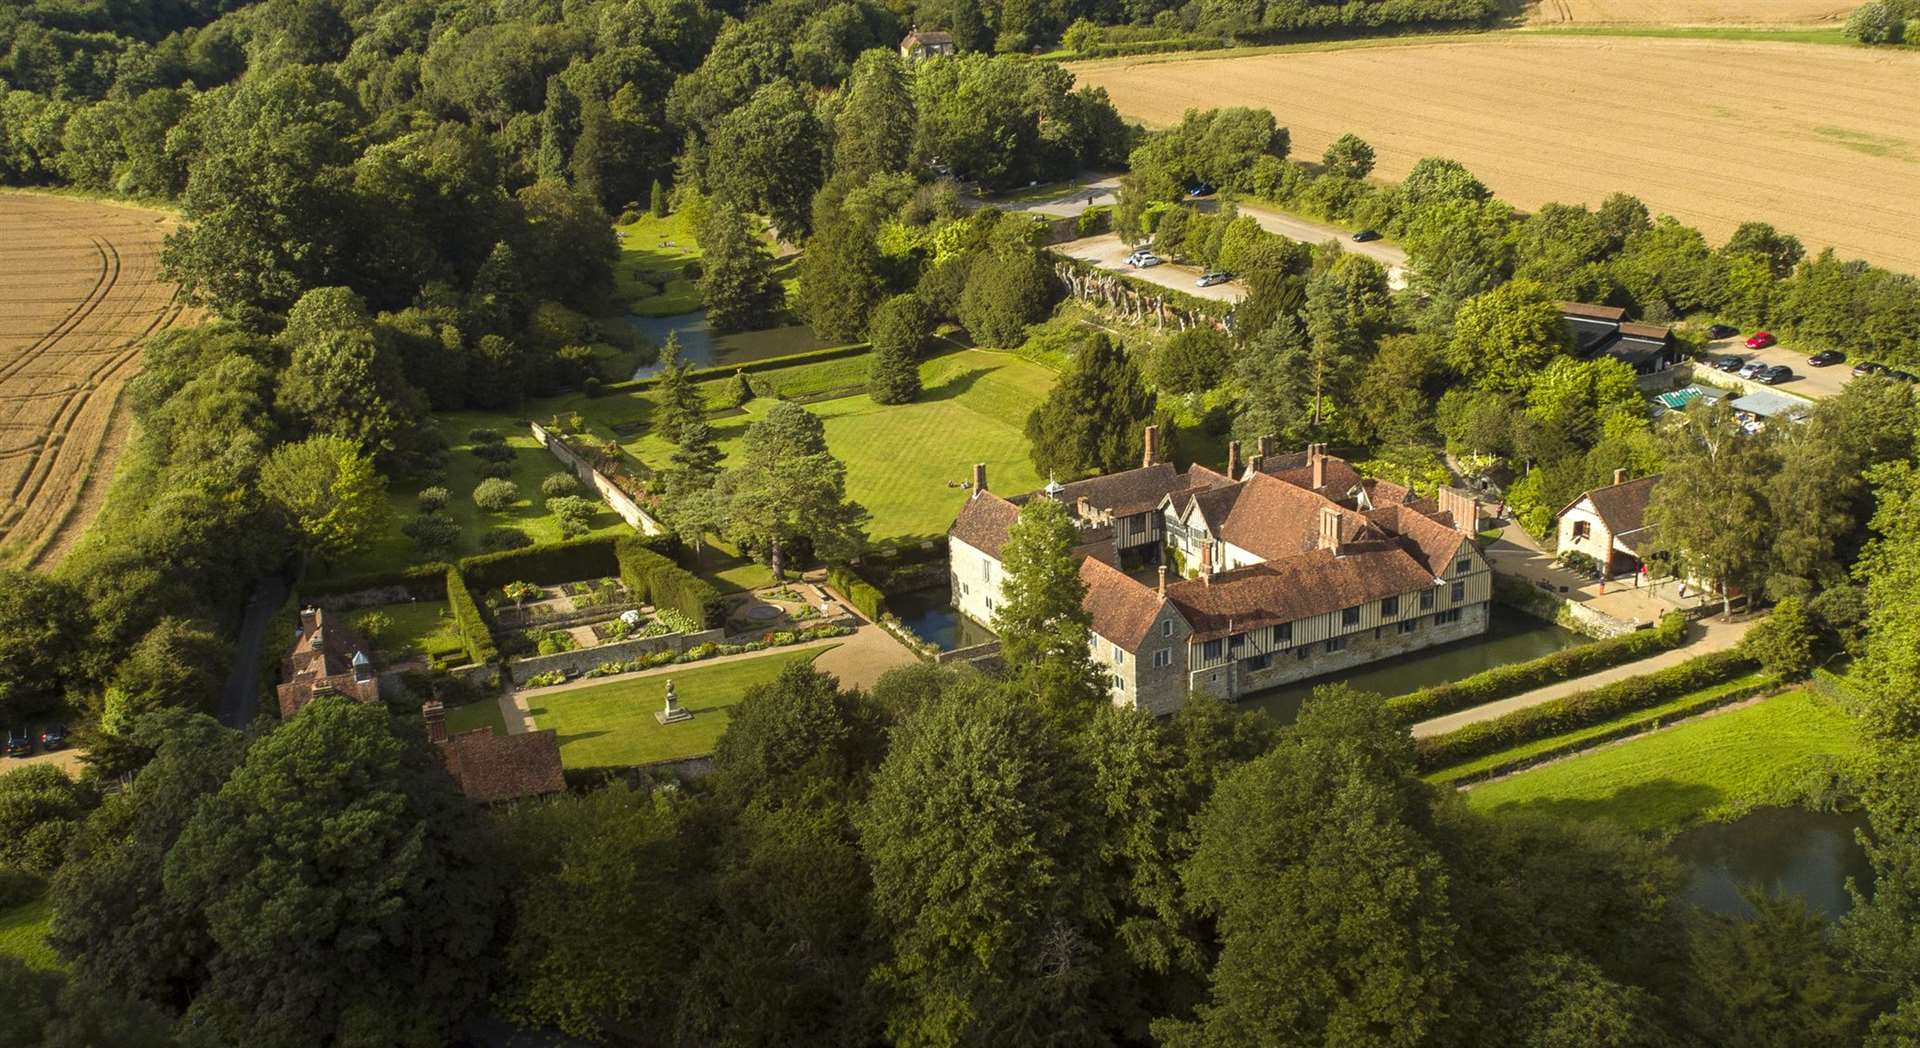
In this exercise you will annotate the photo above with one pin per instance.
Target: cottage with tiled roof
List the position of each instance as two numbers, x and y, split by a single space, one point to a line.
1279 569
1609 525
1597 330
492 768
327 658
925 43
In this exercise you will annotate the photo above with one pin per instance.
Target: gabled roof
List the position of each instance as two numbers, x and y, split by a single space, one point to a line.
926 36
1122 607
1126 493
1297 587
490 768
1622 507
1434 543
984 522
1297 469
1273 518
1587 310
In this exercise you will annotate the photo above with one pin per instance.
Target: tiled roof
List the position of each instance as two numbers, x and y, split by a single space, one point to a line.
491 768
1273 519
1123 608
1127 493
322 660
1297 587
1434 543
1592 312
1295 469
1657 332
984 522
1623 507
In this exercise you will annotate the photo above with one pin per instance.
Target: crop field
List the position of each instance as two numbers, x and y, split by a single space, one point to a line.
79 289
1821 141
1687 12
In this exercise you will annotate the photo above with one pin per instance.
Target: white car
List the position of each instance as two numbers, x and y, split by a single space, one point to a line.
1752 368
1143 259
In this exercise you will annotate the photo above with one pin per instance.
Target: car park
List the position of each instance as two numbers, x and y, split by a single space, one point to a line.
1215 277
1727 364
1366 235
54 737
1774 375
1720 331
1752 368
1826 358
1760 340
19 744
1867 367
1143 259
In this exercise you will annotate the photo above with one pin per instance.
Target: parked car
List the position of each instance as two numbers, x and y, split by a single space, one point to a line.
1826 358
1203 189
55 737
1904 376
19 744
1752 368
1867 367
1728 364
1215 277
1143 259
1719 331
1365 235
1774 375
1760 340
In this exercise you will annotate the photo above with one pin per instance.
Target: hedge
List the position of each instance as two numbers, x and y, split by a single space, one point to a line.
467 617
568 561
1505 681
422 581
865 597
1583 710
652 576
809 356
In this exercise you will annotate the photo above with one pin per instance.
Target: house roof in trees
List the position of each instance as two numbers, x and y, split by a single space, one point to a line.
1298 587
984 522
1621 507
927 38
1122 607
491 768
323 660
1605 329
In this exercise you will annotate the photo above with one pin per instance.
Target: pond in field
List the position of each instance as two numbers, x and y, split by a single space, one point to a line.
1787 851
927 613
1512 636
702 348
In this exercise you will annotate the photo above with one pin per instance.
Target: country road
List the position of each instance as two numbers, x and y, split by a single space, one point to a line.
240 699
1293 227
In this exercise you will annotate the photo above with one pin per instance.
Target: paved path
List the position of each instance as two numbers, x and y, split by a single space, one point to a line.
1710 635
1516 553
240 699
1293 227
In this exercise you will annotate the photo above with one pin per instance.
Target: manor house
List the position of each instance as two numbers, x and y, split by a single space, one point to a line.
1281 568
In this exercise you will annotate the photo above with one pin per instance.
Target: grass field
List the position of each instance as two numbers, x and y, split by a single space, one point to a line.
613 724
485 713
1663 781
1821 141
392 550
23 934
423 627
79 287
648 276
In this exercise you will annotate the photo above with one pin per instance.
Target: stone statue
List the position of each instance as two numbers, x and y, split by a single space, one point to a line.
674 713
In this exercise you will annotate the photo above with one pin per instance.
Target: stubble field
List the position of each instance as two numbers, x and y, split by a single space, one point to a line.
79 290
1821 141
1688 12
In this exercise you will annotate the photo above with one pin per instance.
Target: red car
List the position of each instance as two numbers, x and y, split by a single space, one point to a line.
1760 340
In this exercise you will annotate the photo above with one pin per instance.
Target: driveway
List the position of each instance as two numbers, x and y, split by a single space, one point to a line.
1807 381
1110 252
1069 203
1293 227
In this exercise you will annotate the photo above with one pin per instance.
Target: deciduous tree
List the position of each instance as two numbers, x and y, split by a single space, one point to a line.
331 496
789 487
1045 633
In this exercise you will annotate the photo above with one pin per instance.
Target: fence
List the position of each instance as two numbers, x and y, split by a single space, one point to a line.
609 492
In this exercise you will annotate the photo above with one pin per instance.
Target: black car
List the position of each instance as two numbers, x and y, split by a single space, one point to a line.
19 744
55 737
1774 375
1867 367
1203 189
1826 358
1365 235
1719 331
1904 376
1728 364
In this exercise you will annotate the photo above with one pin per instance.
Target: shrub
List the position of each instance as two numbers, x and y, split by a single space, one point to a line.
520 592
675 621
558 484
376 626
865 597
494 452
485 436
496 470
1192 361
1574 712
549 564
547 679
501 540
739 390
432 533
434 499
554 642
1504 681
575 514
467 618
496 495
1782 642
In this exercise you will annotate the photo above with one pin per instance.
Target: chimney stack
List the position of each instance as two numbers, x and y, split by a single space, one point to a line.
1253 464
435 714
979 479
1151 438
1463 507
1233 460
1330 529
1619 476
1080 508
1206 562
1266 446
1317 460
1163 582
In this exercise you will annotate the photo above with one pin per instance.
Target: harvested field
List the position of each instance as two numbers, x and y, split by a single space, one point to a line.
79 289
1821 141
1687 12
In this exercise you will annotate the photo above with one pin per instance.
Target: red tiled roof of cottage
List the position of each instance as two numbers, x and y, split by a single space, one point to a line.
490 768
1622 506
324 659
1272 519
1433 542
1295 588
984 522
1123 608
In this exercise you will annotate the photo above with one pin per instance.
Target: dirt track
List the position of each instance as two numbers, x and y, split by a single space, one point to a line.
1822 141
79 289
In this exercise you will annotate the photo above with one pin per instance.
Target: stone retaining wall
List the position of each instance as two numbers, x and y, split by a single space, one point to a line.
581 660
608 491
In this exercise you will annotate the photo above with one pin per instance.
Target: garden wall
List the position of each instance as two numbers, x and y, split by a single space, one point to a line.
581 660
609 492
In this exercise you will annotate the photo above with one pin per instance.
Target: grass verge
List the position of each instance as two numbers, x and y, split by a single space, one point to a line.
1664 781
485 713
23 934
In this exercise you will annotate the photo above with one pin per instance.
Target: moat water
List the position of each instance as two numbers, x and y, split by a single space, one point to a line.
1778 851
1512 636
927 613
700 347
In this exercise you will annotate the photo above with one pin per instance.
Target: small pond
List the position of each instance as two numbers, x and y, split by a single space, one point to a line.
1512 636
702 348
927 613
1779 850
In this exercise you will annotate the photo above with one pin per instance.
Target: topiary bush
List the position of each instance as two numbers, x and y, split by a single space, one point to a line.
495 470
493 452
485 436
500 540
558 484
434 499
496 495
432 533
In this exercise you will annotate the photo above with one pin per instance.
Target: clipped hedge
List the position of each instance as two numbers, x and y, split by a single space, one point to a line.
472 625
809 356
1574 712
865 597
567 561
652 576
1506 681
423 581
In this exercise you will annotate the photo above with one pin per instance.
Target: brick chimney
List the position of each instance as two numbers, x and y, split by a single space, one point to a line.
1253 464
1330 529
1163 582
1206 562
1266 446
979 479
1151 438
1464 508
1080 508
1233 460
1619 476
435 714
1317 461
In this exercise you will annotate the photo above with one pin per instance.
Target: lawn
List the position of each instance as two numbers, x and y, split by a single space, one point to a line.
1666 780
391 550
482 714
23 933
649 276
422 627
613 724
